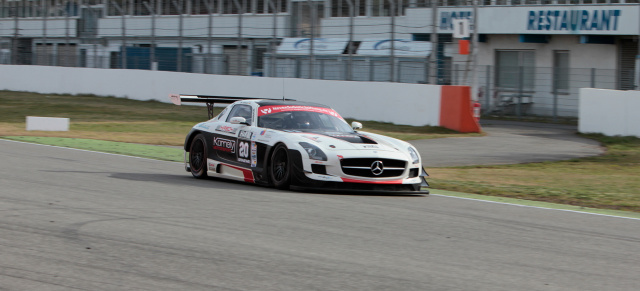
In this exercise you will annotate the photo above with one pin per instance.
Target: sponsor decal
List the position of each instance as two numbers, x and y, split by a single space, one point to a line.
254 154
224 145
285 108
244 160
340 157
265 135
323 177
264 111
370 146
245 134
225 128
212 167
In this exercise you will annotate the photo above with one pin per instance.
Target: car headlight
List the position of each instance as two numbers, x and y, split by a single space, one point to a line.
414 155
315 153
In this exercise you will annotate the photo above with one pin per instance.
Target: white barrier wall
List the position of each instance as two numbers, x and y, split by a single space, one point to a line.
609 112
411 104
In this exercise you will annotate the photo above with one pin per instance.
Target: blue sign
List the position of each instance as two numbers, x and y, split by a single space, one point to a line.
447 18
573 20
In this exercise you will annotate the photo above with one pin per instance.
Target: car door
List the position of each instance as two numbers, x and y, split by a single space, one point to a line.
232 140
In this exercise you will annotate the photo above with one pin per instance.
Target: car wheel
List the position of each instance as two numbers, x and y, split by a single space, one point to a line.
198 157
280 167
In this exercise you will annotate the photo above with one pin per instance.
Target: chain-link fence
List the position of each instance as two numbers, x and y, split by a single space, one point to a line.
511 91
240 37
538 91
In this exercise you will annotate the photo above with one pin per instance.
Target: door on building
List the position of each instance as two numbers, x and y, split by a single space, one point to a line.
237 62
67 55
23 52
627 64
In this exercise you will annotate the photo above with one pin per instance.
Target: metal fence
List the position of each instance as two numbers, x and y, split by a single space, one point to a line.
247 47
506 91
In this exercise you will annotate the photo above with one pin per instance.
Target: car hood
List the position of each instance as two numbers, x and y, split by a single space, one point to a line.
351 141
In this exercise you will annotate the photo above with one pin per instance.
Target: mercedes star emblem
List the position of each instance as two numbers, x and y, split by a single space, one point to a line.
377 168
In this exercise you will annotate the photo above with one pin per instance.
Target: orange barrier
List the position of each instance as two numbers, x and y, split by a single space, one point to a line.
456 111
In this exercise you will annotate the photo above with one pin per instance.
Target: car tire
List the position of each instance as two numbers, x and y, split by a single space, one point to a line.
280 167
198 157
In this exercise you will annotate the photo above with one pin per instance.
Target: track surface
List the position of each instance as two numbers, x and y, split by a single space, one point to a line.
74 220
508 142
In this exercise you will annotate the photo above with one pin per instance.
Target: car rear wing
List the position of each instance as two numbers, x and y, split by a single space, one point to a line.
178 99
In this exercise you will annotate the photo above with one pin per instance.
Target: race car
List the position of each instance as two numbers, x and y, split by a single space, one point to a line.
290 144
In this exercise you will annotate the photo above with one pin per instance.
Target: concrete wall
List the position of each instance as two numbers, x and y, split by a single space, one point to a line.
412 104
609 112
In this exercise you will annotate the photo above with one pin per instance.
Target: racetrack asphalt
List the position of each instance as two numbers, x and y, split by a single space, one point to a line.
508 142
80 220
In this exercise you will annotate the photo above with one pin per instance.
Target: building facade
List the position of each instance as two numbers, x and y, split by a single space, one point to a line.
532 56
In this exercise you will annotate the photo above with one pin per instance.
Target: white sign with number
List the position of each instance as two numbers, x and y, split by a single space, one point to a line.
461 28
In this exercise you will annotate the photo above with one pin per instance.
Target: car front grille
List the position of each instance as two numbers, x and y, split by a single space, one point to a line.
366 167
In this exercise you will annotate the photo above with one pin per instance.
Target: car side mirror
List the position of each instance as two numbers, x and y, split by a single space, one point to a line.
356 125
238 120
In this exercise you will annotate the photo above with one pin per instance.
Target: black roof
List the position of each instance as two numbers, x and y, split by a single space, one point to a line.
290 103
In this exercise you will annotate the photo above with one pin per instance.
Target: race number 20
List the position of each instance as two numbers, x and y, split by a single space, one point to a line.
243 150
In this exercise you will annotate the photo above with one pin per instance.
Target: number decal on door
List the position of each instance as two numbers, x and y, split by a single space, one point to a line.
243 150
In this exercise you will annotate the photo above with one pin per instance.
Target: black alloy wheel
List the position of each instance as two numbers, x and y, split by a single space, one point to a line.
280 167
198 157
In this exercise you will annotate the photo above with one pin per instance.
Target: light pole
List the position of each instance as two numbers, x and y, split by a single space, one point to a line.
240 43
312 57
274 40
392 70
434 43
180 11
152 59
123 58
350 44
207 63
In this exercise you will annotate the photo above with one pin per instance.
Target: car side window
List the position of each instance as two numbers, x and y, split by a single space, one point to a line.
241 110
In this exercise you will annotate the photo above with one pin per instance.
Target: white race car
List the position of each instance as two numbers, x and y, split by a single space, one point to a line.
299 145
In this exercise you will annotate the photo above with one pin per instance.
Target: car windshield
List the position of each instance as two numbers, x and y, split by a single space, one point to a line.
304 121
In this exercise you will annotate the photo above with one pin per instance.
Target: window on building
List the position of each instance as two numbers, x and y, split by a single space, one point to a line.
561 71
383 7
515 69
